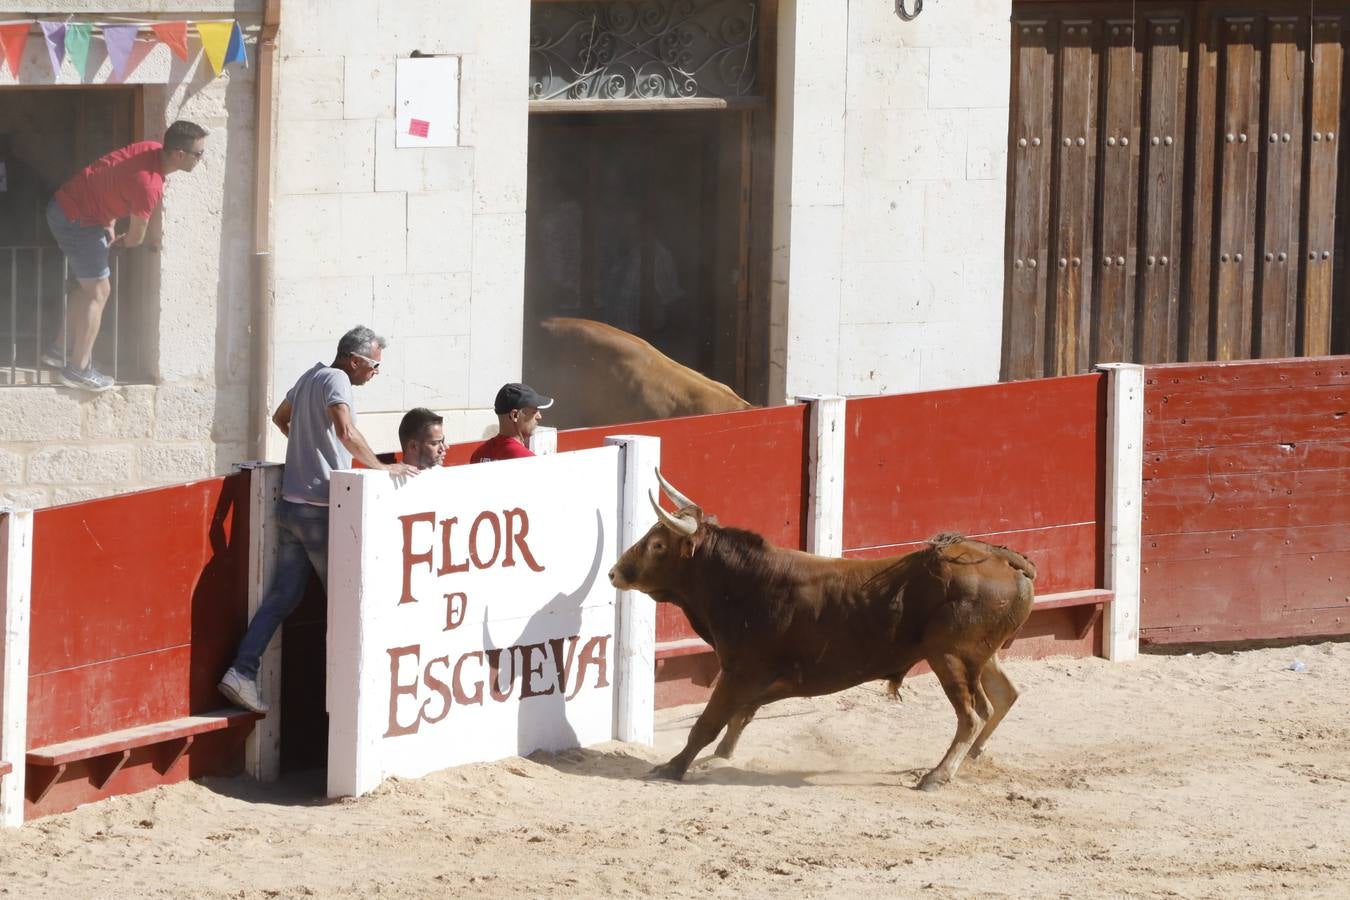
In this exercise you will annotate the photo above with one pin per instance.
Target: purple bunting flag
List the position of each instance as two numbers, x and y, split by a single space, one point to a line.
120 39
55 34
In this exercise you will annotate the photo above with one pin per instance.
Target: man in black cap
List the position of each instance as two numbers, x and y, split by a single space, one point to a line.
517 407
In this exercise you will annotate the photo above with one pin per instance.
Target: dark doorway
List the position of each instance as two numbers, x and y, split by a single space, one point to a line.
640 220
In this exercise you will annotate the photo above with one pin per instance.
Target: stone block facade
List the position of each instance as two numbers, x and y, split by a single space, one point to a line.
889 197
425 245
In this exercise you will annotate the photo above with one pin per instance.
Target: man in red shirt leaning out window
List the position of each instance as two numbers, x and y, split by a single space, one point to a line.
126 184
517 407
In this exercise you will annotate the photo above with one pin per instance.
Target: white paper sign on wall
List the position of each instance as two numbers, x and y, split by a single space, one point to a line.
426 102
470 615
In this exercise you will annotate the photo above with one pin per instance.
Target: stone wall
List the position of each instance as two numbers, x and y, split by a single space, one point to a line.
889 196
59 445
425 245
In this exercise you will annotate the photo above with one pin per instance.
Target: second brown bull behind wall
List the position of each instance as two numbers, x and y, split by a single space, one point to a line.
600 375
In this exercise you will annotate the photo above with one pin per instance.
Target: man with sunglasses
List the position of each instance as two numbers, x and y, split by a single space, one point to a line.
319 421
126 184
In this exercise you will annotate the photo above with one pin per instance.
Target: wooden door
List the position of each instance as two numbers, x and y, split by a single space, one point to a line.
1175 183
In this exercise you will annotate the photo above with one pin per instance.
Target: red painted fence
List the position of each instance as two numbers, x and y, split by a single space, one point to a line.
138 603
1020 464
1246 501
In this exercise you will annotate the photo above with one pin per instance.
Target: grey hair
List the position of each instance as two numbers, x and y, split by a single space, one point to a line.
360 340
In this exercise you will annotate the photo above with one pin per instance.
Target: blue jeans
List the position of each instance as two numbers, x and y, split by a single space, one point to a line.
302 543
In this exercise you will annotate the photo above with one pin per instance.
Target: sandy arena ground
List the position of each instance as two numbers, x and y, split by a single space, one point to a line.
1217 775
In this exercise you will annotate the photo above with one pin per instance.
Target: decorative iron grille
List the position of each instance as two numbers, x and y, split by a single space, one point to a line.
643 49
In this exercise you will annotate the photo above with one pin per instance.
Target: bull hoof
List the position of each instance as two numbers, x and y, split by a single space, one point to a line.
932 781
666 772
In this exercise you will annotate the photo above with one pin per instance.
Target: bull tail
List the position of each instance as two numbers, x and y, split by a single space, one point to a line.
893 686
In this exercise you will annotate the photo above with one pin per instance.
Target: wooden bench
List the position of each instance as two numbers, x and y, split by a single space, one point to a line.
113 749
1090 604
682 647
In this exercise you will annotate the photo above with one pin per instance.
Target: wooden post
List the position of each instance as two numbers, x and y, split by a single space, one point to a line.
635 613
1124 507
262 750
825 507
16 579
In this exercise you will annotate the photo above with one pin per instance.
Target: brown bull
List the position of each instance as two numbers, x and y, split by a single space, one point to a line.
604 376
789 624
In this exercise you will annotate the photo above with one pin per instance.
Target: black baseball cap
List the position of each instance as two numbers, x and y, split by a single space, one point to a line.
518 396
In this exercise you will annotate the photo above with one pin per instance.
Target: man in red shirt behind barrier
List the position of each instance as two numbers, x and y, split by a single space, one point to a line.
126 184
517 407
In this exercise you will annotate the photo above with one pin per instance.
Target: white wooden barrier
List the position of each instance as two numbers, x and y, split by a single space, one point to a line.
16 577
635 703
1124 507
470 616
825 504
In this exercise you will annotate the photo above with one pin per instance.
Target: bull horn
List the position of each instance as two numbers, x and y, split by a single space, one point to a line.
684 525
675 496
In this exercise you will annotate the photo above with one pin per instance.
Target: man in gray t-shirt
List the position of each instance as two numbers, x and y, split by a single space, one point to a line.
318 419
314 449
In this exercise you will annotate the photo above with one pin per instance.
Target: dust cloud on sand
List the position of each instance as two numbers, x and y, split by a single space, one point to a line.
1215 775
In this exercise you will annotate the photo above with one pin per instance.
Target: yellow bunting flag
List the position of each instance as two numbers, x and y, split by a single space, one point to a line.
215 41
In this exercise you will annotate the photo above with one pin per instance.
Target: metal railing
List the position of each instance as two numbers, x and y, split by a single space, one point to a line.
34 286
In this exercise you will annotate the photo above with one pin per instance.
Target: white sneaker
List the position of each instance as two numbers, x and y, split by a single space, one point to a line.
54 357
89 379
242 691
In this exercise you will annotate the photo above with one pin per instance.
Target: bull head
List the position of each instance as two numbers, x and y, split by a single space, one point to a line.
654 564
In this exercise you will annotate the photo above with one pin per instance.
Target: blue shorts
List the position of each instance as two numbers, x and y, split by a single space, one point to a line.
85 246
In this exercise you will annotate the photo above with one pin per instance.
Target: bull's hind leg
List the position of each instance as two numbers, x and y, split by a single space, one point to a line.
735 726
1002 695
960 680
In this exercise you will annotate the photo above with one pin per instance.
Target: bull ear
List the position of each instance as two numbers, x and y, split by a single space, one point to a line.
689 545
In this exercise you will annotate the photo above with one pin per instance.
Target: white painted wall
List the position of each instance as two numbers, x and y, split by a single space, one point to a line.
426 245
59 445
890 186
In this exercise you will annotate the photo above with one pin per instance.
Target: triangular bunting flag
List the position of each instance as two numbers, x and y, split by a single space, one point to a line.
173 35
13 36
55 34
77 46
120 39
236 52
215 41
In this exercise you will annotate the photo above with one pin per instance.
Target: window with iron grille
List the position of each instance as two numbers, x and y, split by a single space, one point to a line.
47 135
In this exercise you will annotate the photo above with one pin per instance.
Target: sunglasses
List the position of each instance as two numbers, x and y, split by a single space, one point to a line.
373 363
